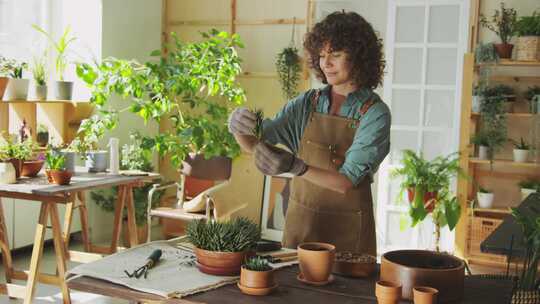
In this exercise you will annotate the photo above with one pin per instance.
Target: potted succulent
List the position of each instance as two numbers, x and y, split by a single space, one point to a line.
38 90
527 284
481 139
529 186
521 151
56 171
503 24
256 277
42 135
7 170
485 198
17 87
62 89
529 95
221 247
182 86
528 42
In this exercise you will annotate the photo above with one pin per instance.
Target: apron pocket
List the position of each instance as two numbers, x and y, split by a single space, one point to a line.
318 155
343 229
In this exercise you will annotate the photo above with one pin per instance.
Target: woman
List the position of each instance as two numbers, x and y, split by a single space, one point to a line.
337 136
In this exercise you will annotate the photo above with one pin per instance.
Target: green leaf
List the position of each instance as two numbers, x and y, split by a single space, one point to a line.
155 53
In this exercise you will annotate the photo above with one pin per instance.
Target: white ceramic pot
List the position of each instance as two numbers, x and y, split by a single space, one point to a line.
17 89
7 173
485 200
37 92
63 90
526 192
483 152
69 160
521 156
97 161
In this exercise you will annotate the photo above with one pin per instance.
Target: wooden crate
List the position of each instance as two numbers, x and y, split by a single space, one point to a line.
480 228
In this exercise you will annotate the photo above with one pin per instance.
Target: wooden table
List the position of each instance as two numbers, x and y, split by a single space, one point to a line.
343 290
48 195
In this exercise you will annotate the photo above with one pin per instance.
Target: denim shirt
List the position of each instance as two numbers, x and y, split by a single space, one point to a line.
371 142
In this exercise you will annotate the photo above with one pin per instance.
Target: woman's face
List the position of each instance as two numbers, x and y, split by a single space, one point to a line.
334 65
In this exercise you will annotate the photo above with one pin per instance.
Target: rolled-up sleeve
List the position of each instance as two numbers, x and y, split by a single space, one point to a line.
370 146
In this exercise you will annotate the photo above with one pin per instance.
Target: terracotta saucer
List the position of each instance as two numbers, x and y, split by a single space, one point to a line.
300 277
220 271
256 291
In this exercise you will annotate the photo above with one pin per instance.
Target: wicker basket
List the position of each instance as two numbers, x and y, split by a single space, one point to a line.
528 48
526 297
481 228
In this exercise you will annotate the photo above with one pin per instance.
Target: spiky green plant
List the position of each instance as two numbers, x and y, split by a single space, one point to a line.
257 263
236 235
288 69
54 160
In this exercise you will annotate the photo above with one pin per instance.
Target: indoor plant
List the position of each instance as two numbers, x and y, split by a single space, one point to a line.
62 89
485 53
529 186
288 69
503 24
528 42
529 96
257 275
39 87
221 247
4 73
56 172
481 139
31 162
17 87
7 170
521 150
182 86
503 91
493 120
485 198
42 135
16 151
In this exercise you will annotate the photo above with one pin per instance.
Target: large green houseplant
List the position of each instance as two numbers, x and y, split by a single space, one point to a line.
192 85
503 24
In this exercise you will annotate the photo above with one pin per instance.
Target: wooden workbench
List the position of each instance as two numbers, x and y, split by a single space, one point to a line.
48 195
343 290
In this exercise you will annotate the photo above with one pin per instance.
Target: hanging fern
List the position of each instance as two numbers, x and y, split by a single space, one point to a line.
288 69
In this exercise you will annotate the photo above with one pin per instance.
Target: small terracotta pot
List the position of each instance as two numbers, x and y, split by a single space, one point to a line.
17 163
229 262
316 261
31 168
429 198
425 295
257 279
60 177
3 84
387 292
504 50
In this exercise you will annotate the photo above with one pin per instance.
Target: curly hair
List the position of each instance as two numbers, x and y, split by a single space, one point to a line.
349 32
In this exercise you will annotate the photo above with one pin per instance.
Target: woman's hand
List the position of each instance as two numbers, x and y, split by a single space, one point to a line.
272 160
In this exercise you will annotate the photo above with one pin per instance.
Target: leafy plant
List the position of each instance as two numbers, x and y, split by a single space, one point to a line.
493 119
41 128
61 47
257 263
54 160
531 92
530 184
191 84
236 235
502 90
91 131
530 226
485 53
132 157
259 114
521 144
484 190
17 150
11 67
39 71
528 25
502 23
288 69
480 139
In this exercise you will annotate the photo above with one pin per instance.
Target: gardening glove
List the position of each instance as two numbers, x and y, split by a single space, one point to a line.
272 160
242 122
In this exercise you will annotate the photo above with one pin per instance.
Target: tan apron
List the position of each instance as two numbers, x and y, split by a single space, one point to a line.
317 214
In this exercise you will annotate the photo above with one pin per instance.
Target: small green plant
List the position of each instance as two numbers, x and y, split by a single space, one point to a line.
54 160
531 92
41 128
288 69
502 23
530 184
521 144
259 114
528 25
257 263
485 53
17 150
530 226
502 90
39 71
493 118
61 47
11 67
236 235
91 131
480 139
483 190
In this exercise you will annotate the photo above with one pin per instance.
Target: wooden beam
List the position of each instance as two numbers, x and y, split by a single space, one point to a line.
41 277
37 251
280 21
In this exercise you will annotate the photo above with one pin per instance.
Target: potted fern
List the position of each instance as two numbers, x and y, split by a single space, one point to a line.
256 277
221 247
17 87
528 42
521 151
503 24
528 186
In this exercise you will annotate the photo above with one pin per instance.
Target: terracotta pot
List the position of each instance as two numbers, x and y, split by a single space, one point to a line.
49 176
193 186
411 268
215 168
31 168
60 177
229 262
504 50
387 292
17 164
3 84
256 279
429 198
316 261
425 295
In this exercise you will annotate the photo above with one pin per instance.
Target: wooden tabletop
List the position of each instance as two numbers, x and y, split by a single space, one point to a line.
343 290
81 180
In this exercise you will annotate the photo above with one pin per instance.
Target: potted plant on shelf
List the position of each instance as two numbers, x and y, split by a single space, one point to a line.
132 158
485 53
183 86
38 90
56 171
529 186
493 120
521 151
42 135
527 284
528 42
503 24
32 162
529 95
63 90
221 247
16 151
485 197
7 170
505 92
17 87
256 277
481 139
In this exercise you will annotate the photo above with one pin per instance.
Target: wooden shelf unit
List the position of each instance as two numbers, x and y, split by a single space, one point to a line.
61 117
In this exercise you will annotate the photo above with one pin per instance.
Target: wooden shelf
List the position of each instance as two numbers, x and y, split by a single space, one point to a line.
491 210
512 63
503 162
516 115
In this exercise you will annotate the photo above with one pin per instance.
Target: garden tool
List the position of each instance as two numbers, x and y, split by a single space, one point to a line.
143 270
